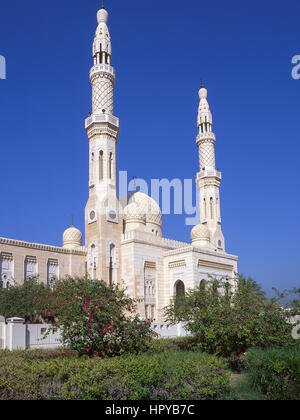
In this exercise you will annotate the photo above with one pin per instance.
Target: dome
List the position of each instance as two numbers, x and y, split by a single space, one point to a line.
203 93
133 211
102 16
141 206
200 233
72 238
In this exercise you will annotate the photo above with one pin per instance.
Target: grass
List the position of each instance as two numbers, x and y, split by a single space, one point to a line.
242 390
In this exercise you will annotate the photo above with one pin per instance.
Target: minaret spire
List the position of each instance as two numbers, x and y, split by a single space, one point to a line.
208 179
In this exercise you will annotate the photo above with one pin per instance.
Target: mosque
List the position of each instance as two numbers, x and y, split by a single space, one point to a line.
124 244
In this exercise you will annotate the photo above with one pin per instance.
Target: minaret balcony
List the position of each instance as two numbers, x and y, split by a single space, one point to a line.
102 118
207 136
209 173
102 68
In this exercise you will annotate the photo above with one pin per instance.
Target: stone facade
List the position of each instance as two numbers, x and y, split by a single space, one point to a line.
124 243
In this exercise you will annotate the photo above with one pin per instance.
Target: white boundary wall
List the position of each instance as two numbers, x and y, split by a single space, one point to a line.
2 334
15 334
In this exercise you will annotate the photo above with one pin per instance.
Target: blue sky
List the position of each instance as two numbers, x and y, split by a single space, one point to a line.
161 50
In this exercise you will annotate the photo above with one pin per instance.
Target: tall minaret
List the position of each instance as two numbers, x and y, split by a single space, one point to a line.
208 233
102 228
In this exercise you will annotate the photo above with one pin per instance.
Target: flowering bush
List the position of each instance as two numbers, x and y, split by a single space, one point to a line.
95 319
229 320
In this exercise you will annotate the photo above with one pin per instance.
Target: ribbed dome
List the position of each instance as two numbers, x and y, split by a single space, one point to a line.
200 233
141 206
72 238
133 211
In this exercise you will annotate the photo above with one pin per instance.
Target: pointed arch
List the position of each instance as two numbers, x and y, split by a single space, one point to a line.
110 165
101 165
211 203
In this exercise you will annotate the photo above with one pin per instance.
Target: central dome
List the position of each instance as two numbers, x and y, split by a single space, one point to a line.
143 210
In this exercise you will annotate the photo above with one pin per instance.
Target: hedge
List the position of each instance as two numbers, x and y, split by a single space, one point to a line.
56 375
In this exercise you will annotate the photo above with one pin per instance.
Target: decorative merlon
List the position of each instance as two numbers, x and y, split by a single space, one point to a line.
175 264
202 251
211 264
41 247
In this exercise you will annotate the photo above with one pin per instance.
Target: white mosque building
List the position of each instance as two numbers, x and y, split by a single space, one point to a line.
124 244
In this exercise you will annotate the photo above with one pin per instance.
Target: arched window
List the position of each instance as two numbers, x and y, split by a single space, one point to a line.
100 165
211 202
93 261
111 268
179 290
110 165
92 166
205 209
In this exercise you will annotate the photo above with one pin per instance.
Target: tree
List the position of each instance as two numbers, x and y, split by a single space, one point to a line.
18 300
229 319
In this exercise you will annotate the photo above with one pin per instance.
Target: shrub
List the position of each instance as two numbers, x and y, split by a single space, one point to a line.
167 375
276 372
230 320
94 318
19 300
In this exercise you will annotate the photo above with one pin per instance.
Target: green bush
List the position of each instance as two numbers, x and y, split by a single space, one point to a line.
94 318
49 375
275 372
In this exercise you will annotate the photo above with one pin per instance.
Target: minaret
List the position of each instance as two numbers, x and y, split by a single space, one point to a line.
208 233
102 228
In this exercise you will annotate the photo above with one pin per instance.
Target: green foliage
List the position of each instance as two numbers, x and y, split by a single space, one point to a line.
94 318
19 300
289 298
166 375
229 320
275 372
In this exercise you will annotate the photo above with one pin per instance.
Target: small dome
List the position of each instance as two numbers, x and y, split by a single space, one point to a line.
72 238
200 233
141 205
203 93
102 16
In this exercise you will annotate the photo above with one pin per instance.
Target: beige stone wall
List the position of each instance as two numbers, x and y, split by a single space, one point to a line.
145 256
69 262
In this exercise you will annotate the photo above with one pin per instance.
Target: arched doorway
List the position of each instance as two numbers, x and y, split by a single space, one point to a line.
202 285
179 292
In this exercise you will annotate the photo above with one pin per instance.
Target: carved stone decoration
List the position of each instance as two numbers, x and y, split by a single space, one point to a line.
6 269
92 216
